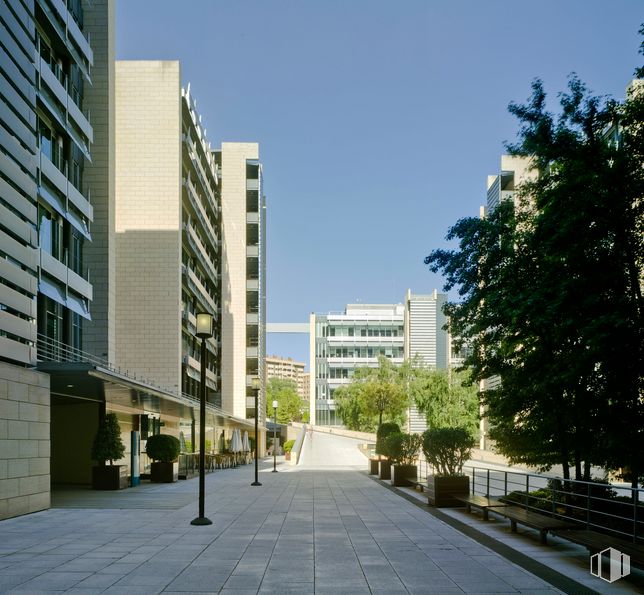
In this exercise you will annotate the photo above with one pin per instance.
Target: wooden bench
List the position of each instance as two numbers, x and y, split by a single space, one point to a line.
596 542
540 522
483 503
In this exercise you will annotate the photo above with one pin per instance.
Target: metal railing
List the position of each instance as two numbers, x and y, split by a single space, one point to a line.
614 509
604 507
52 350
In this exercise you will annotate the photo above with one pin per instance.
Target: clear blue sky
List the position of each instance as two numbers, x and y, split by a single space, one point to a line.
378 121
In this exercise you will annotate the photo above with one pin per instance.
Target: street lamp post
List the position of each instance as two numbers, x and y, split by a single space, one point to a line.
274 436
204 331
256 384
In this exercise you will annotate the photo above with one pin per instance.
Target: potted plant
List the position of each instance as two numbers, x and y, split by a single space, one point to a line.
164 450
384 464
446 449
403 449
288 447
108 446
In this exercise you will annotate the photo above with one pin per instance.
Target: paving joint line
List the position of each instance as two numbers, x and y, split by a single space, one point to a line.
341 488
288 485
555 578
381 550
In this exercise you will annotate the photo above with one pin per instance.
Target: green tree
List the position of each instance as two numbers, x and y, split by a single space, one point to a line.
382 390
446 398
350 406
289 404
550 295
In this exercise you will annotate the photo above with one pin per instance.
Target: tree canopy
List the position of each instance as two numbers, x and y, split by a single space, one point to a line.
372 395
550 288
446 398
290 406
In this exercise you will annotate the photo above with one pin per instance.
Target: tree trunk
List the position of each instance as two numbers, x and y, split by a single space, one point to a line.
565 468
380 419
577 466
586 470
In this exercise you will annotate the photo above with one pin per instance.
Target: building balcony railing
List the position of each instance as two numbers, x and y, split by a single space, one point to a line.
197 246
198 288
200 172
200 211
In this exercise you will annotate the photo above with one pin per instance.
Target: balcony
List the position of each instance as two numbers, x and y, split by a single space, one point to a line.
365 341
190 150
197 246
202 217
59 270
197 287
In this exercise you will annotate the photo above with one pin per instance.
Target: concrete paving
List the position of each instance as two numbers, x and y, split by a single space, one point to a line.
321 527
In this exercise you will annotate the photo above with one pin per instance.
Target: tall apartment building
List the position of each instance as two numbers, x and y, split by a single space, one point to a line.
168 230
342 342
243 277
288 369
46 211
46 178
425 339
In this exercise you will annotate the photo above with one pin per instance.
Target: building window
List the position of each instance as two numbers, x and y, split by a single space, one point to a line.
52 325
50 232
76 253
76 338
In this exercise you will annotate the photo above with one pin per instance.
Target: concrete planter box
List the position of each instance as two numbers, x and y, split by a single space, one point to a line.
442 489
384 469
373 466
164 472
110 477
400 473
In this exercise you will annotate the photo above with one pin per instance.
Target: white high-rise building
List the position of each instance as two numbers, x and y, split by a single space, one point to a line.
342 342
426 340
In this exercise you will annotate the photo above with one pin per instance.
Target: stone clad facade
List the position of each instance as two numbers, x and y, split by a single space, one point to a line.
24 441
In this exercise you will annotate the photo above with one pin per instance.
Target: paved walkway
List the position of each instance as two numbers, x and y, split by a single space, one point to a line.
320 527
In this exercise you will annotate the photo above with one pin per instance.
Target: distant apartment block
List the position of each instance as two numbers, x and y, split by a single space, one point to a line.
426 341
342 342
168 230
243 276
288 369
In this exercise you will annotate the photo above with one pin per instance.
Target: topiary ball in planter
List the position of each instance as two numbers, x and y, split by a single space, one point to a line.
164 450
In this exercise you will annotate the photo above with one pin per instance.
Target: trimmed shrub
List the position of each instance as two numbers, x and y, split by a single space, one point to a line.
402 448
163 448
384 430
446 449
107 444
288 445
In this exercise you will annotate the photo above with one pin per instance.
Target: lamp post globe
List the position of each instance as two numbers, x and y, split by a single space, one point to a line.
256 385
204 331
